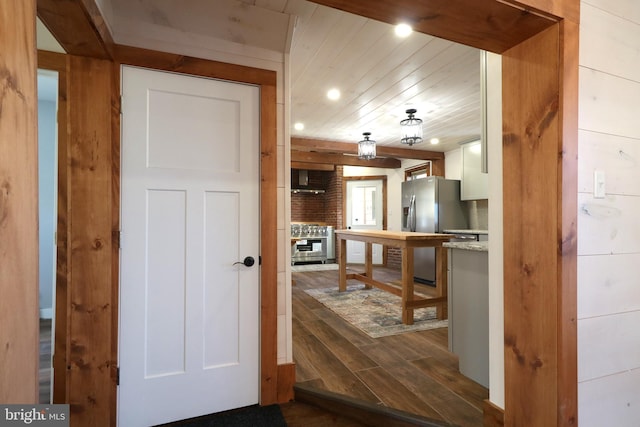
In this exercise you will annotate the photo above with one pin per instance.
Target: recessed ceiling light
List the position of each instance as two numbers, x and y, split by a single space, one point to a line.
434 141
403 30
298 126
333 94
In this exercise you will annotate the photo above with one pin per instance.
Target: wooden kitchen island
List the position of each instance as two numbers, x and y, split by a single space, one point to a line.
406 241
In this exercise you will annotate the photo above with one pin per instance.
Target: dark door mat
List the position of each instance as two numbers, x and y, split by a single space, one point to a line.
250 416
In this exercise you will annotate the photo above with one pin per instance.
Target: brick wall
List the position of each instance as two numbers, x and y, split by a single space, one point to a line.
394 258
308 207
324 207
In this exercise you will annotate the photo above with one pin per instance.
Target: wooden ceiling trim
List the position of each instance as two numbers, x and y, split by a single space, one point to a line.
78 26
469 22
313 166
324 146
341 159
190 65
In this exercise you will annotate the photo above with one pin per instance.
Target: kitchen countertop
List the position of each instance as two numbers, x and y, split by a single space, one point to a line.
467 231
469 246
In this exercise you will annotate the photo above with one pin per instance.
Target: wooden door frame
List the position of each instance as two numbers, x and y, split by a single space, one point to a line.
538 40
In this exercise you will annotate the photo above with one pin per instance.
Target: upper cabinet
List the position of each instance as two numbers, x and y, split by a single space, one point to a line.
475 184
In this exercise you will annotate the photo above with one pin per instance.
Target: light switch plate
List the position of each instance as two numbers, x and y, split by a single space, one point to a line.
598 184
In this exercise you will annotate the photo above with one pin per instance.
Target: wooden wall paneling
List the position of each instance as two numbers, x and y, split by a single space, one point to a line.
58 62
266 79
90 385
18 204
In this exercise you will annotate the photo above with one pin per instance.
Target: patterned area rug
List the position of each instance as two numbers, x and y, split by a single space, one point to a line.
375 312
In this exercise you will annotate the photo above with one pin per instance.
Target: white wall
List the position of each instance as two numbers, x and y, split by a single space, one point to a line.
608 229
496 250
47 194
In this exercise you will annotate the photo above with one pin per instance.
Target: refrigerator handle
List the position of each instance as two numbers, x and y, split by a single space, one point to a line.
411 217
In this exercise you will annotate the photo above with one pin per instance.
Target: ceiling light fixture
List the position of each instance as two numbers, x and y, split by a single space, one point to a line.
403 30
298 126
411 129
366 147
333 94
434 141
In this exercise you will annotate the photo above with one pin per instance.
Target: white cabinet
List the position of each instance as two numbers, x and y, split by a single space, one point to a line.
468 312
475 184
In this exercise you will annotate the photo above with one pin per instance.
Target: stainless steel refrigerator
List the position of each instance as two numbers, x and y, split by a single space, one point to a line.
431 205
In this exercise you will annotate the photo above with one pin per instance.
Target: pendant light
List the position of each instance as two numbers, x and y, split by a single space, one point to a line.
411 128
366 147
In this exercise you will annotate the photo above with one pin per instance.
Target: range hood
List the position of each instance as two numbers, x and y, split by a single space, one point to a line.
300 183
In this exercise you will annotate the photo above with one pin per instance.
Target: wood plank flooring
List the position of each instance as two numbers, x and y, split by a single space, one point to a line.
412 372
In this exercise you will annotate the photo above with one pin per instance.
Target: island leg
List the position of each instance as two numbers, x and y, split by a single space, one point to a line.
342 263
368 262
407 285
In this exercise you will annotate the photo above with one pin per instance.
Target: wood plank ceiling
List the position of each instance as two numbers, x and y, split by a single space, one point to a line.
379 75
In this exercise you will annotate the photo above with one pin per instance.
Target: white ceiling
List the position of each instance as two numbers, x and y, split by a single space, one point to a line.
380 76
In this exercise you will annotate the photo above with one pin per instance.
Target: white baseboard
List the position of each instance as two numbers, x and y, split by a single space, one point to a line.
46 313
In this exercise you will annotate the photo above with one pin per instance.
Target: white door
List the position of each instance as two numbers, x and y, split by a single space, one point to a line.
364 212
189 317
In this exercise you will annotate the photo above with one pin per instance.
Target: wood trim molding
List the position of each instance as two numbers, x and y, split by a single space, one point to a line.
340 159
491 25
286 382
493 416
323 146
270 390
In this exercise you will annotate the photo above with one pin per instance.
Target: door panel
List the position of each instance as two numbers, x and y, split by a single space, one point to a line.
189 325
364 212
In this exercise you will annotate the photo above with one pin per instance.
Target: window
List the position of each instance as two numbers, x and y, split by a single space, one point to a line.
417 172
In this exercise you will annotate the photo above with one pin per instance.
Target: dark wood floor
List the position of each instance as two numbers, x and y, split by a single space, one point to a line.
411 372
44 373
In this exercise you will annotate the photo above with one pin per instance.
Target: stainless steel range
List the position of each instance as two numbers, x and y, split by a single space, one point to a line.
312 242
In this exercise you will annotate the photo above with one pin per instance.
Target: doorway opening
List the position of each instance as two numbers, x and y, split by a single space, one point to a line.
47 222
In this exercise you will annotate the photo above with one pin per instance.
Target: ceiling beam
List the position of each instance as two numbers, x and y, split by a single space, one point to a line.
78 26
340 159
313 166
508 24
305 144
